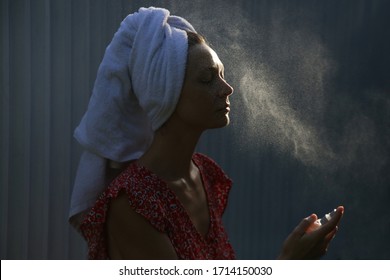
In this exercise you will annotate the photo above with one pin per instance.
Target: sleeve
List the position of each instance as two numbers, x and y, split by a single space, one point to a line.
146 201
142 198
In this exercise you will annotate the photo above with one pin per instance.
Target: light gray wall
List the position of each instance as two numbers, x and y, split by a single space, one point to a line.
310 119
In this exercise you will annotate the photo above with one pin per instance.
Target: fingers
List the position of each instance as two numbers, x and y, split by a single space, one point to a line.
330 226
305 244
322 246
326 242
302 227
331 235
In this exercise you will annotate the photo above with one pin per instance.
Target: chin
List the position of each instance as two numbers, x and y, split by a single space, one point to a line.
227 122
222 122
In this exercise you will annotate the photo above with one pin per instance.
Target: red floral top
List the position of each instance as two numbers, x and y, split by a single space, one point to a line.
150 197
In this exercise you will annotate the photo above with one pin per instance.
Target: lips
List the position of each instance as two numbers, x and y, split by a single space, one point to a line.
226 108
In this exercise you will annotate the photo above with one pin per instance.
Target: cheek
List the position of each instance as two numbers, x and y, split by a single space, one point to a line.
203 96
197 108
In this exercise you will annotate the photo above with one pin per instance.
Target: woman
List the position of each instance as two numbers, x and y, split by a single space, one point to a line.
168 201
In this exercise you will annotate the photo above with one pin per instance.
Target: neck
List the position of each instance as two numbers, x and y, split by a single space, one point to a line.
170 155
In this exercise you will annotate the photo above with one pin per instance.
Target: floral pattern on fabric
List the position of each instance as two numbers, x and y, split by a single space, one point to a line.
150 197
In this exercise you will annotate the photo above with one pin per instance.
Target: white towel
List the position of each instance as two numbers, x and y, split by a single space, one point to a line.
136 90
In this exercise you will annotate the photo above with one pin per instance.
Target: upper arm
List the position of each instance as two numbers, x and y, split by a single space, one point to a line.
131 236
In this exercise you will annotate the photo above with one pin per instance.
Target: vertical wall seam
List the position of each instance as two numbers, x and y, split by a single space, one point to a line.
4 172
46 138
28 123
69 128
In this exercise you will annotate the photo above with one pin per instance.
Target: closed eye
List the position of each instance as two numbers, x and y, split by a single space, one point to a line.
210 73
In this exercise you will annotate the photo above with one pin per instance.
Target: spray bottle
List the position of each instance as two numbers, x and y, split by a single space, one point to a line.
322 221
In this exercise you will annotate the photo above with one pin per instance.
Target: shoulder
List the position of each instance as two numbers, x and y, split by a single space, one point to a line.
131 235
138 182
144 193
210 167
218 184
204 160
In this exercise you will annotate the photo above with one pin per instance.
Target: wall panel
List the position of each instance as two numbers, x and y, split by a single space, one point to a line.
50 52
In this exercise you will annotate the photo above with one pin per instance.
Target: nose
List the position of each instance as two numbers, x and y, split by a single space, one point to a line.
226 89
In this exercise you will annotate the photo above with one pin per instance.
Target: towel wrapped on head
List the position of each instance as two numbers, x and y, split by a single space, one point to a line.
137 88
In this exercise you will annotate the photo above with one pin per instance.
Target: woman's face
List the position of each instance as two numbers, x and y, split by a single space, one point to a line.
204 101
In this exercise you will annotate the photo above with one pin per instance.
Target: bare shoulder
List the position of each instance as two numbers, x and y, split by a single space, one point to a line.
131 236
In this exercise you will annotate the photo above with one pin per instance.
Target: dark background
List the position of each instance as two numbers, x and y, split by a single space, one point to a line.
310 117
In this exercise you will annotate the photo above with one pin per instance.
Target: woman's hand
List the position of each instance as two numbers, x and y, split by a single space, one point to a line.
301 244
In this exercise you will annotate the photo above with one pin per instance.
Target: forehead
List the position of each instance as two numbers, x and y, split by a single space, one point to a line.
201 57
